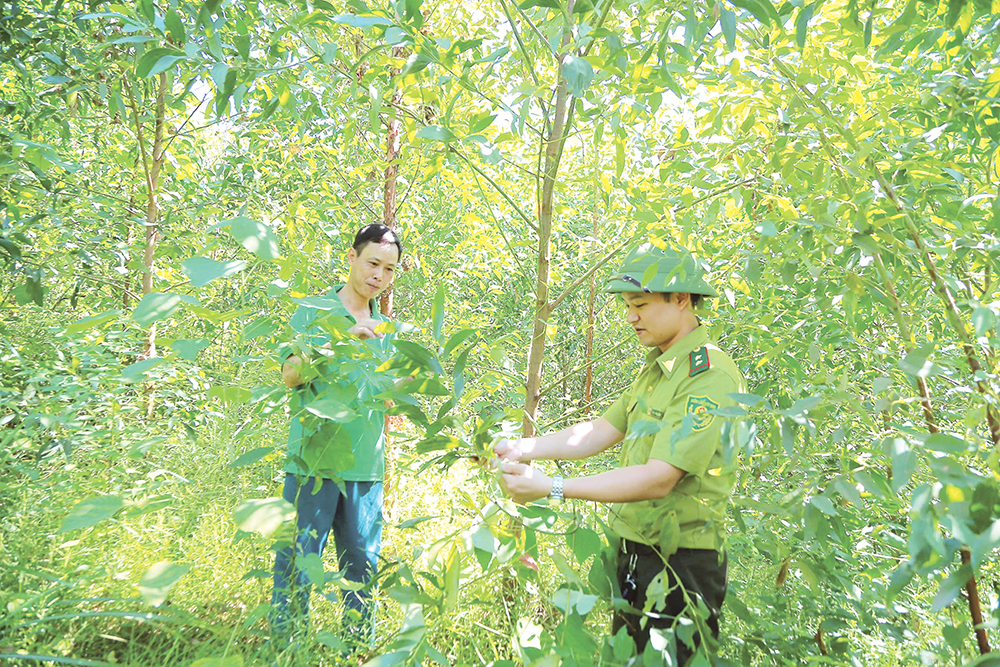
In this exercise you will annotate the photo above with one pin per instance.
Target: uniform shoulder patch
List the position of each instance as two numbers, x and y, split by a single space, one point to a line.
698 407
699 362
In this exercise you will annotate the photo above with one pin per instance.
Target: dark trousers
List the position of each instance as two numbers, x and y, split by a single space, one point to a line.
356 522
701 573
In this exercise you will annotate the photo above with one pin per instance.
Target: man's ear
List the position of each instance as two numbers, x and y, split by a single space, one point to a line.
683 300
351 255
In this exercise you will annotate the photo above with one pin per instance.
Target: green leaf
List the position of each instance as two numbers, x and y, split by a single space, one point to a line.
573 601
189 349
955 8
33 287
11 248
332 409
410 523
578 73
951 587
330 640
989 660
551 4
356 21
155 306
946 444
956 635
396 36
436 133
874 484
481 122
412 13
389 659
136 371
457 339
824 505
584 543
766 228
230 395
983 320
415 63
751 400
437 312
263 515
262 326
419 355
452 579
802 24
91 512
174 27
427 386
93 321
159 60
202 270
440 658
219 73
130 39
727 18
156 583
762 10
322 303
255 236
916 363
848 491
904 461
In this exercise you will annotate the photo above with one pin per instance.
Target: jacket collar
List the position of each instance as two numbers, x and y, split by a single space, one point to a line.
670 360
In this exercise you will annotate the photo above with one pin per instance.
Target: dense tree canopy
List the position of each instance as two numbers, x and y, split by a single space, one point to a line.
176 177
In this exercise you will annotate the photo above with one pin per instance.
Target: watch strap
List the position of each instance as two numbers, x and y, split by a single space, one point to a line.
557 488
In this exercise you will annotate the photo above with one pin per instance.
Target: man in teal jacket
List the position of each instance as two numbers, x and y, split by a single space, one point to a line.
333 475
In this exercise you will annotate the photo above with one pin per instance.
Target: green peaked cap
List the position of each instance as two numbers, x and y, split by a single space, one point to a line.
648 268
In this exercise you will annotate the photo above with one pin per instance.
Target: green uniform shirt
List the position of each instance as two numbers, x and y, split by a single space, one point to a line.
352 451
664 416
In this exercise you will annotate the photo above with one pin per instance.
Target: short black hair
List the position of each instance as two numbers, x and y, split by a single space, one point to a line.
375 233
695 298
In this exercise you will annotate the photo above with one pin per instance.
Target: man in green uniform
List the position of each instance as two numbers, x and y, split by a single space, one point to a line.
669 493
336 439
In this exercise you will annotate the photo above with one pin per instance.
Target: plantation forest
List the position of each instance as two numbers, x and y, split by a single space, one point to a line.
178 176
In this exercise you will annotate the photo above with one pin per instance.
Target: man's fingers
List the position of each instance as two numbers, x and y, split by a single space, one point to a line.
512 468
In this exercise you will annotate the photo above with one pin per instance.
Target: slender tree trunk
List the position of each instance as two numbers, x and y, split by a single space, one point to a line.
126 277
907 338
391 170
975 608
553 152
151 163
392 144
588 387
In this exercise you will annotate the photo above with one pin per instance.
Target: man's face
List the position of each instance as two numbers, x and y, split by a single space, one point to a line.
656 318
373 268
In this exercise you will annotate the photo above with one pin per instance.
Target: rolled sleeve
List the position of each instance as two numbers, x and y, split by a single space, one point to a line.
693 433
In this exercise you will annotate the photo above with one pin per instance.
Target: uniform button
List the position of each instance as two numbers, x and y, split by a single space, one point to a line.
649 389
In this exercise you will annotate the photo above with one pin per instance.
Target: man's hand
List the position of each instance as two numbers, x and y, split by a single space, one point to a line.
365 328
523 483
290 371
509 450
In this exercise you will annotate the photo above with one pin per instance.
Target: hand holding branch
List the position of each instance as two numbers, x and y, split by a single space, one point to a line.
524 483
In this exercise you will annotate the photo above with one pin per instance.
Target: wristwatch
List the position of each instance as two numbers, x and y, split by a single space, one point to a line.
557 489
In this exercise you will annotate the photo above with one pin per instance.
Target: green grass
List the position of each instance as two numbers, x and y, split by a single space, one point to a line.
73 596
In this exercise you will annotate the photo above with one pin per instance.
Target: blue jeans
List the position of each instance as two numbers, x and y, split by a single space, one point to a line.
356 520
